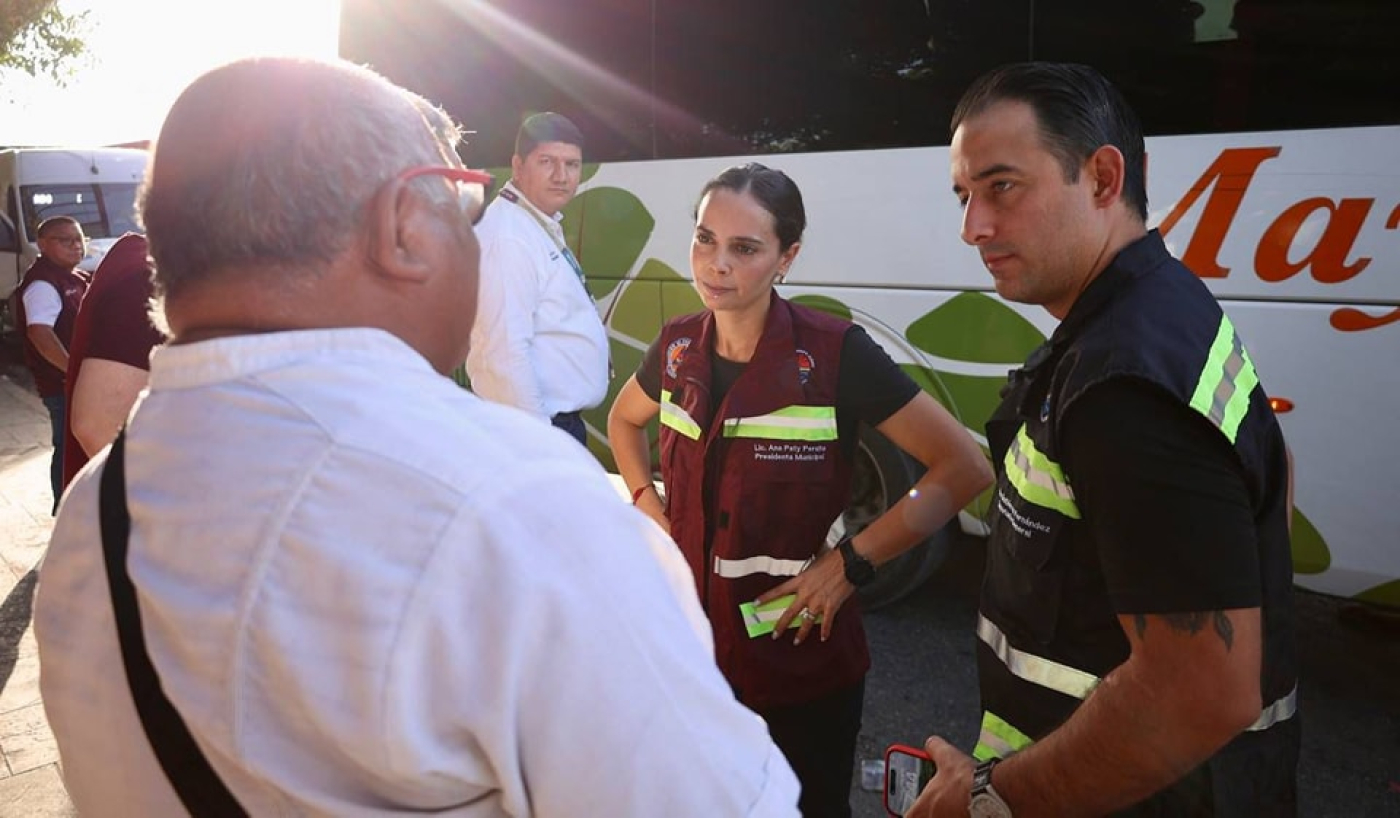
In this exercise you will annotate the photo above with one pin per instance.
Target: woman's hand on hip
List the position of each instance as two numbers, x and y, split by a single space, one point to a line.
820 592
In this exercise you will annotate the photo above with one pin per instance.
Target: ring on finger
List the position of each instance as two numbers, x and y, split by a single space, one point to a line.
806 614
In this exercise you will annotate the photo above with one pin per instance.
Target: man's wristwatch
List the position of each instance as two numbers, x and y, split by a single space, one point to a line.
985 802
859 570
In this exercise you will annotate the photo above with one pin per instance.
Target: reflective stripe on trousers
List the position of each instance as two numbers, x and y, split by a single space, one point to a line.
998 737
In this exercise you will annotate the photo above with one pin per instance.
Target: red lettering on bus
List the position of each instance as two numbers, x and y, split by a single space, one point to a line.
1230 176
1328 257
1350 319
1227 180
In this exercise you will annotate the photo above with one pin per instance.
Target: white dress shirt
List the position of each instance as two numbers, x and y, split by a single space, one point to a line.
538 343
370 593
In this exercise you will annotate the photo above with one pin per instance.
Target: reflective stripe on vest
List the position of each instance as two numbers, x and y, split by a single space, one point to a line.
734 569
1227 379
677 418
788 423
1035 669
1281 710
998 739
1037 478
1076 684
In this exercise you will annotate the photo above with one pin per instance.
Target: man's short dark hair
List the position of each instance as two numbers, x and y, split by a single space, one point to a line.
1078 110
51 224
543 127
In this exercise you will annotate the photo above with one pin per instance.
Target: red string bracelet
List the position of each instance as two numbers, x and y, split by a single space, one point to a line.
637 495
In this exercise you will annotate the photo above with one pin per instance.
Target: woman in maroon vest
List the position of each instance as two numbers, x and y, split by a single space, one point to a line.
759 400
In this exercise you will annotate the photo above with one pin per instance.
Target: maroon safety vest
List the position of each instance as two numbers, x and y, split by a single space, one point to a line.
48 379
753 488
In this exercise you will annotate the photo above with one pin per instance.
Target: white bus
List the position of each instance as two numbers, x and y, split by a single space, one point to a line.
1273 172
96 186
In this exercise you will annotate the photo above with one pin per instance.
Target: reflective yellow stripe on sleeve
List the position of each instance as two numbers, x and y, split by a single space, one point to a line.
1227 379
677 418
789 423
1037 478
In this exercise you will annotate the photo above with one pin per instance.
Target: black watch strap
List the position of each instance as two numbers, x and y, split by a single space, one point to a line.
859 570
982 775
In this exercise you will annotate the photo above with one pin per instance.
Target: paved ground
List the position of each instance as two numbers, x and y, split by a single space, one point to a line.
30 782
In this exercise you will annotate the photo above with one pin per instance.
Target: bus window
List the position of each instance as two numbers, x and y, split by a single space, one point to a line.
1216 66
104 210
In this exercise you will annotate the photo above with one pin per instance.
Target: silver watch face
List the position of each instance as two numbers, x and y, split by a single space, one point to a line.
988 805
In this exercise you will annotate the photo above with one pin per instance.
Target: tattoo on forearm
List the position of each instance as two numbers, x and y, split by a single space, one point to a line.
1225 630
1193 623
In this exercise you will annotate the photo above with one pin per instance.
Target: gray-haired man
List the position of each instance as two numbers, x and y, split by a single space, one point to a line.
348 590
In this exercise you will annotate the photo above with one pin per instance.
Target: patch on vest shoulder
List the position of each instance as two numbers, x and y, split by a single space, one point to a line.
675 353
805 364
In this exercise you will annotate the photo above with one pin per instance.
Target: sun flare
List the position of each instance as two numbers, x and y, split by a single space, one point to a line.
144 52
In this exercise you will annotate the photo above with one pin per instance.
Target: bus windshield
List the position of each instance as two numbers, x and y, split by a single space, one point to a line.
104 209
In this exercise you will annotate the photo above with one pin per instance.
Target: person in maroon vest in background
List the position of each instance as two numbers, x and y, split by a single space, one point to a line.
109 360
47 305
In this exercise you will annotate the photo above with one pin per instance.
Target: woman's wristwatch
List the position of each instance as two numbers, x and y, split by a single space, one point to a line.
985 802
859 570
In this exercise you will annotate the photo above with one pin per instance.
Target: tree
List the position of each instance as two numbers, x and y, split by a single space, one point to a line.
36 37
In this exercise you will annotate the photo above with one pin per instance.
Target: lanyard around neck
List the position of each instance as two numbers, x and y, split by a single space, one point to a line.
516 199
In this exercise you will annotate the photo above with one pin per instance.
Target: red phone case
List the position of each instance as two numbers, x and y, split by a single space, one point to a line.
890 750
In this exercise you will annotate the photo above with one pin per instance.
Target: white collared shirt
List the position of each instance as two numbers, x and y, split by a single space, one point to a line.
538 343
369 593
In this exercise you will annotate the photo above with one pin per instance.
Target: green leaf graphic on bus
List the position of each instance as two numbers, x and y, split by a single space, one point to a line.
974 328
607 228
1310 552
826 304
657 294
1386 594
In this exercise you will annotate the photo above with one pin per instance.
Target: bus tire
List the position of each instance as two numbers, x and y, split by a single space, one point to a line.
883 474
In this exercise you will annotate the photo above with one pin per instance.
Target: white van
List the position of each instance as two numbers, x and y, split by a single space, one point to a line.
96 186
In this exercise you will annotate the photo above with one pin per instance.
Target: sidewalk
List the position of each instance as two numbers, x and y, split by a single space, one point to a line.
30 782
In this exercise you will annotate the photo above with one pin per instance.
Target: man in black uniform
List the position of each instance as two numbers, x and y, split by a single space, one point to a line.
1136 639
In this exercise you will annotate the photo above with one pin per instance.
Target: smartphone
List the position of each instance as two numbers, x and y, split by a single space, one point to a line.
907 770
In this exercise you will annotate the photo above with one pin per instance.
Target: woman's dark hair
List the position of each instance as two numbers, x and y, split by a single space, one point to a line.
1078 110
771 188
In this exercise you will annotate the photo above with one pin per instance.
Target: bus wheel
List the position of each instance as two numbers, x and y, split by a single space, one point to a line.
882 474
